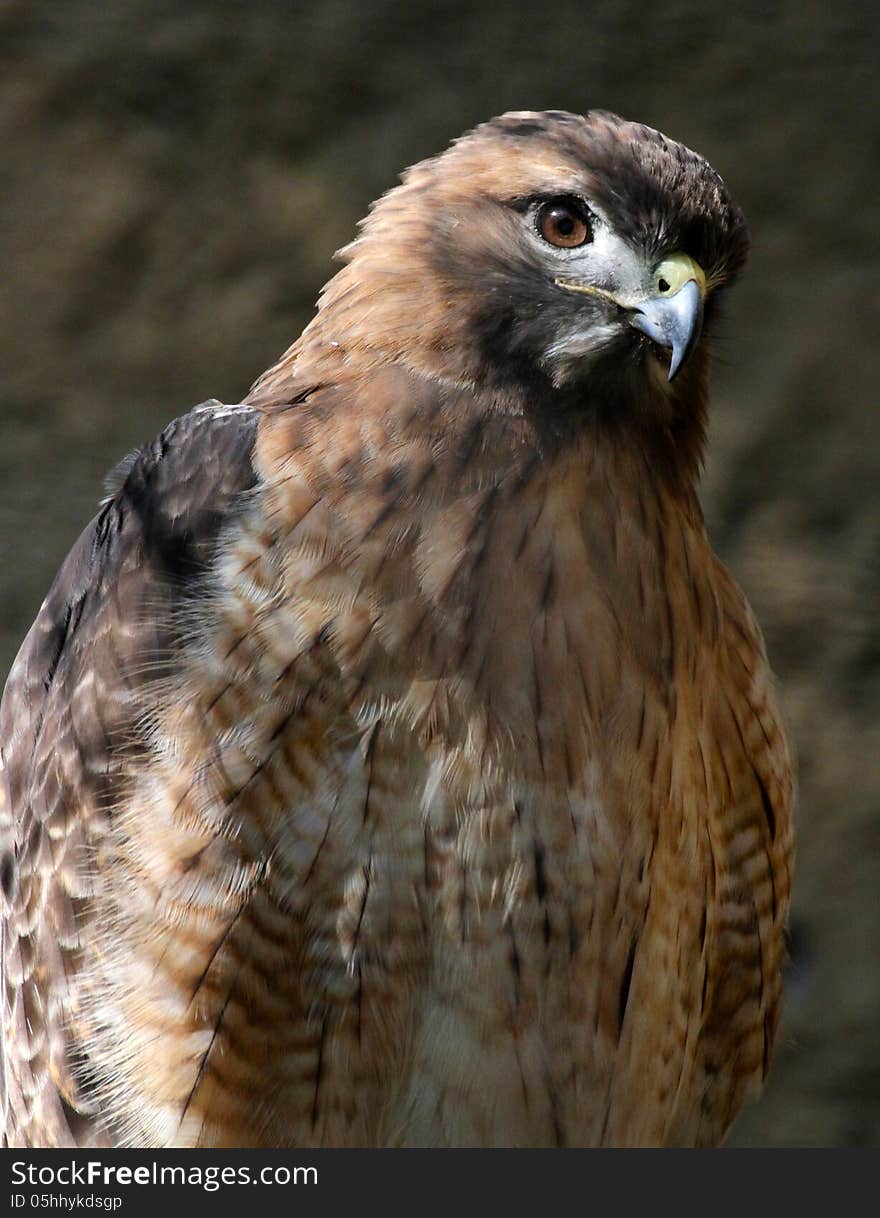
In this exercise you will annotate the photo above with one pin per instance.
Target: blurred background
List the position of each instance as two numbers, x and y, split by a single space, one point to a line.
175 178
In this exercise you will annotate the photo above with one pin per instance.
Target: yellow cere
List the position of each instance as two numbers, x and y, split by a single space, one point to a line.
677 270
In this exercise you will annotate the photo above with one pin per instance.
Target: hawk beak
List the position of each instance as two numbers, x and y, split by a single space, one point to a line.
674 316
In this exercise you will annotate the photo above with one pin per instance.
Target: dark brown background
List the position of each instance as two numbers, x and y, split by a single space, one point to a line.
176 176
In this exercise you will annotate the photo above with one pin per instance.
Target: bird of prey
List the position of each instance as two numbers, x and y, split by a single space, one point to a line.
392 761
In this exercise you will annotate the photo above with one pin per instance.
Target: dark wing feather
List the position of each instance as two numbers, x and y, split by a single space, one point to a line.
69 731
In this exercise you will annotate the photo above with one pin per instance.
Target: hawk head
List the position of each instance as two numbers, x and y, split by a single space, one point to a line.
566 265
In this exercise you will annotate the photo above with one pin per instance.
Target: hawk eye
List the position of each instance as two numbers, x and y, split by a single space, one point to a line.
563 223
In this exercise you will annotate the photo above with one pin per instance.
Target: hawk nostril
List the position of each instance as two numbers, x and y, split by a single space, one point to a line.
663 285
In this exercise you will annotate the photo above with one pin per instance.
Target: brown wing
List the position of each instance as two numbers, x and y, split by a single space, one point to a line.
752 845
69 730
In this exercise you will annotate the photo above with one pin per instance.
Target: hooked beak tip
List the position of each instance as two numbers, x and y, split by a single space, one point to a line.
673 321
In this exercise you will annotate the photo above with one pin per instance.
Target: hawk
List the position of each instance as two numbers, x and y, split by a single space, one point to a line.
392 761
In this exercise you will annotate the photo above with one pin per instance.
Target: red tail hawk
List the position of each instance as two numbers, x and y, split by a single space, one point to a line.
392 761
